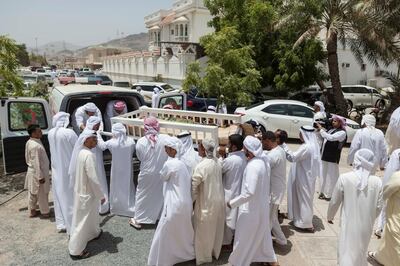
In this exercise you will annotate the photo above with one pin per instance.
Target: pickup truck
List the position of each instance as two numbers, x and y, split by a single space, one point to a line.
17 113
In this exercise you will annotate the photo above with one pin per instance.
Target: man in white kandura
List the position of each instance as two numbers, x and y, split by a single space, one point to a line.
209 204
82 114
93 123
62 141
319 117
151 154
277 162
391 167
370 138
253 241
114 108
393 131
122 188
334 140
360 195
87 196
306 167
232 173
188 155
155 97
173 240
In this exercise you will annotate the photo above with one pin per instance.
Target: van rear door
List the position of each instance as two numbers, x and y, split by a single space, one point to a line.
176 100
16 114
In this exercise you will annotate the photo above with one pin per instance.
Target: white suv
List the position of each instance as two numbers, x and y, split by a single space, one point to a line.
146 89
357 95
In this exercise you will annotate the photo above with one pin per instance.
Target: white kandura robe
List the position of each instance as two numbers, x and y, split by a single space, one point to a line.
88 193
209 209
372 139
62 141
173 240
232 174
149 197
392 134
277 163
319 117
155 99
79 117
330 171
253 241
122 187
358 213
300 187
101 173
110 113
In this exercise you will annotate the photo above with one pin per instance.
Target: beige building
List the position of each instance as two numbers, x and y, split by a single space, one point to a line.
174 36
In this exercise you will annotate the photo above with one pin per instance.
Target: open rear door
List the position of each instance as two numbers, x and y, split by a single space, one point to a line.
172 100
16 114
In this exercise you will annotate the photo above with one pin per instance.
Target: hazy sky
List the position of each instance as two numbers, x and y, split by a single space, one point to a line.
80 22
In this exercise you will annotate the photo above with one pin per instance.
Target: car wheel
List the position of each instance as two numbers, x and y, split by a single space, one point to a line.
349 105
380 104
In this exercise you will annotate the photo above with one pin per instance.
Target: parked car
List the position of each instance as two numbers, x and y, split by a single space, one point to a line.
146 89
122 84
308 97
359 95
197 101
49 79
66 79
16 113
104 80
288 115
32 79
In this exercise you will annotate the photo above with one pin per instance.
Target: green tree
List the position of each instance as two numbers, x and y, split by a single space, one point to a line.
231 70
257 21
38 59
10 82
23 55
368 28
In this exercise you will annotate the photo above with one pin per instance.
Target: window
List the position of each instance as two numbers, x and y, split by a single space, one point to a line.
276 109
172 32
23 114
174 101
181 30
301 111
176 30
347 89
186 30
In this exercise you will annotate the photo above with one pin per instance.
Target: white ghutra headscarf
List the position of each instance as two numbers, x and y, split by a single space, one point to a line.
363 165
61 119
174 143
119 132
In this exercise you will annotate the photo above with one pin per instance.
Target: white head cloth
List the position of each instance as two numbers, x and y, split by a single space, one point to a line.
90 107
61 119
92 121
156 90
174 143
392 166
187 154
86 133
320 105
211 108
363 165
395 121
310 139
209 146
368 120
253 145
119 132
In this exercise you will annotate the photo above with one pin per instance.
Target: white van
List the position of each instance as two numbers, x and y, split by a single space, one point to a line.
17 113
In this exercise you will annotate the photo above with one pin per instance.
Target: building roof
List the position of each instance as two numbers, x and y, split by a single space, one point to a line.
168 19
181 19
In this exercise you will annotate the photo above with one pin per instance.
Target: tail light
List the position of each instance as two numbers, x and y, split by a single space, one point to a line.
189 103
98 82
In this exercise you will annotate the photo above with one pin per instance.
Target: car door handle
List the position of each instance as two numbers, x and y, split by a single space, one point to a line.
295 121
265 117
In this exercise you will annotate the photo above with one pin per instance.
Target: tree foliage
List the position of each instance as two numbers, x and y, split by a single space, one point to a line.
38 59
368 28
10 82
23 55
248 45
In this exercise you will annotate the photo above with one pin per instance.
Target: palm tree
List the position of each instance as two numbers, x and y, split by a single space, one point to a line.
368 27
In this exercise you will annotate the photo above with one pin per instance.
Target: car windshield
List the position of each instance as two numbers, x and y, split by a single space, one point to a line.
29 78
167 87
254 105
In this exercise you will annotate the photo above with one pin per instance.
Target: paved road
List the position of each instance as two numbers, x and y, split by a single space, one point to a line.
35 241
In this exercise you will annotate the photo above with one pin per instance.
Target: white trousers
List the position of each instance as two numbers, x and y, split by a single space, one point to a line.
275 226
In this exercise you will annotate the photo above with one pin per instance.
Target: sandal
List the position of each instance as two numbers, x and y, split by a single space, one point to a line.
33 214
84 255
321 196
134 224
